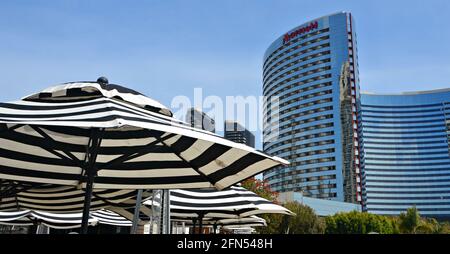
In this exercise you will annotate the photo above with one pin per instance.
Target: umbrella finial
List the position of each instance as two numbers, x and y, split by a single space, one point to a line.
102 80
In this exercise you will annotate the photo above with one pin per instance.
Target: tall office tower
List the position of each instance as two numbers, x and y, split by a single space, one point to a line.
201 120
406 146
238 133
312 71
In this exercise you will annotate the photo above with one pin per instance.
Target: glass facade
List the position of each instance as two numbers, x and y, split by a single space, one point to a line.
321 207
312 70
406 152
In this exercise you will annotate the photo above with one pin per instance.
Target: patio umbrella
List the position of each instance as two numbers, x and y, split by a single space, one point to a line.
201 205
52 220
67 199
252 221
16 218
62 220
126 215
234 202
97 135
103 216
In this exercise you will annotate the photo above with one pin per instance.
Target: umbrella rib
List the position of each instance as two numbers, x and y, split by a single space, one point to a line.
7 191
103 199
187 162
15 198
90 170
45 135
4 127
13 190
133 155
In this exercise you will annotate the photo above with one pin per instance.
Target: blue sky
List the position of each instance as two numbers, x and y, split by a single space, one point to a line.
166 48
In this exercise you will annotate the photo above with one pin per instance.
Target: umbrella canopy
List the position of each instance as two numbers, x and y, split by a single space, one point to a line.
111 218
67 199
61 221
235 202
115 138
16 218
52 220
103 216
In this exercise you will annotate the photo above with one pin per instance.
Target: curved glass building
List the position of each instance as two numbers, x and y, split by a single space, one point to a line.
310 80
406 145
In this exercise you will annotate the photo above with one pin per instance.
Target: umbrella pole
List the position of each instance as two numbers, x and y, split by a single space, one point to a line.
91 171
215 227
161 214
194 221
200 224
165 212
137 209
87 203
153 212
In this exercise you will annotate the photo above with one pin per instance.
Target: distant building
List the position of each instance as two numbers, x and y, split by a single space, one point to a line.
406 143
321 207
237 133
313 71
198 119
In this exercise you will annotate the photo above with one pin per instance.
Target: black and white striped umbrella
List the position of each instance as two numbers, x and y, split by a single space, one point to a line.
100 136
235 202
61 220
73 220
252 221
132 142
52 220
67 199
16 218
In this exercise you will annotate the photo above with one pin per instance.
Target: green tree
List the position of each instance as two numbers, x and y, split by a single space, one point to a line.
273 223
428 226
444 227
409 221
304 222
358 223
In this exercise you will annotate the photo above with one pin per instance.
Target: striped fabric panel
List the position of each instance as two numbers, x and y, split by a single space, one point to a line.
67 199
24 221
73 91
111 218
62 221
235 202
13 216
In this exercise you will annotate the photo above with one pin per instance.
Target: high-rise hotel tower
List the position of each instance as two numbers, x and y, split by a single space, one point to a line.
311 117
407 152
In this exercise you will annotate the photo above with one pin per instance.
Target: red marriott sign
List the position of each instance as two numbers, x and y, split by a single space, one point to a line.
300 31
